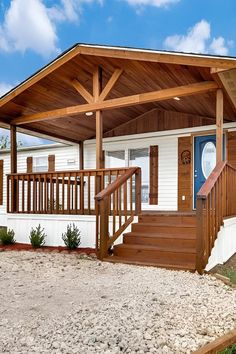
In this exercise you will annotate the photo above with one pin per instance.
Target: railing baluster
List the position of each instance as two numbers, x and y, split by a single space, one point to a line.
63 193
68 194
82 193
89 193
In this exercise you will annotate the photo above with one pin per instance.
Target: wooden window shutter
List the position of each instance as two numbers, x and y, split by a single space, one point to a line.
1 182
51 163
29 162
153 177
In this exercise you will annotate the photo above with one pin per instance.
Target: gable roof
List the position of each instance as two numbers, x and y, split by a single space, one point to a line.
143 65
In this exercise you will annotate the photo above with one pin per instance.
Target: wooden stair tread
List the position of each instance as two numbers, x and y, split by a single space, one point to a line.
184 266
161 235
168 213
164 224
156 248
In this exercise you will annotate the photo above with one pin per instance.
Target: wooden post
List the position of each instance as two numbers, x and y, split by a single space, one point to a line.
81 155
13 149
219 125
13 143
97 87
200 245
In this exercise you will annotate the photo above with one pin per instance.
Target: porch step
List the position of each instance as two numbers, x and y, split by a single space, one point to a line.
176 218
162 239
155 253
161 227
183 241
186 266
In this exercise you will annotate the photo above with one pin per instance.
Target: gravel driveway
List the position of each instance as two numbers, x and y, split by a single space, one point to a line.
59 303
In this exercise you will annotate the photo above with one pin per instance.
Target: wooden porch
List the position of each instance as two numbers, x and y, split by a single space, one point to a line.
93 92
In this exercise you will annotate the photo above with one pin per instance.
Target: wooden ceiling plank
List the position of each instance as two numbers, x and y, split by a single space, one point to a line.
111 83
132 100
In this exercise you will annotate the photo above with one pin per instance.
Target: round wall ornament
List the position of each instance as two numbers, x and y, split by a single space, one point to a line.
186 157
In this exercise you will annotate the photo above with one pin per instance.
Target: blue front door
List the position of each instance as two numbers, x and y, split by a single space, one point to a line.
204 160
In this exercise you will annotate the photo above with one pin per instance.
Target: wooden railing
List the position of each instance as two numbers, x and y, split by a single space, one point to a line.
215 201
116 206
64 192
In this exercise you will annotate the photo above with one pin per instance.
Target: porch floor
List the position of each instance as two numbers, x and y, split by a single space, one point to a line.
159 238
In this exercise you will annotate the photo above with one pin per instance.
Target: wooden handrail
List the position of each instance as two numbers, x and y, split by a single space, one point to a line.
211 180
216 200
114 209
70 171
116 184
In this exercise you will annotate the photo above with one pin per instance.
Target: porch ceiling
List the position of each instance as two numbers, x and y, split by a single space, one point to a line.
54 91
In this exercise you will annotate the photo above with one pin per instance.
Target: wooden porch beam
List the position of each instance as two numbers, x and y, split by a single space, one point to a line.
219 125
82 90
111 83
155 96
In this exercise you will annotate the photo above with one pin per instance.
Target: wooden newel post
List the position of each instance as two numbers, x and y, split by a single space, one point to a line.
13 143
138 184
104 227
200 246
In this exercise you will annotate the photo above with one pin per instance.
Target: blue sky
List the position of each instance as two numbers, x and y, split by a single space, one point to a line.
33 32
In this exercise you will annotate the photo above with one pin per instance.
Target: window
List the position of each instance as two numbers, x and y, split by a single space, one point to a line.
40 164
208 159
115 159
140 158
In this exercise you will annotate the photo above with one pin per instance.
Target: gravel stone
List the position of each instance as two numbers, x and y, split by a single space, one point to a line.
59 303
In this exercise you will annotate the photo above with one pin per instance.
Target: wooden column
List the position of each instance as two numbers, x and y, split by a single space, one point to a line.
97 87
219 125
13 143
81 155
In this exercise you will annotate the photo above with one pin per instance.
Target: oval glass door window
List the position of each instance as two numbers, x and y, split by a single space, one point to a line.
208 159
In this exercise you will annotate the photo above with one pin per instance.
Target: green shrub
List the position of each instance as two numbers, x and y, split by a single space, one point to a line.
37 237
7 237
71 237
229 350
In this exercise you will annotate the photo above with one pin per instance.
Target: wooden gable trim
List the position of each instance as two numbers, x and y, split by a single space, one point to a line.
147 97
153 175
159 57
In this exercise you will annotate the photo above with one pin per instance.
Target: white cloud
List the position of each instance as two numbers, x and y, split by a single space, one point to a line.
219 46
198 40
30 24
156 3
4 88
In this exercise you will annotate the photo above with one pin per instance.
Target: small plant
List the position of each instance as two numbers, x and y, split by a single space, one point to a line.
7 237
71 237
229 350
37 237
